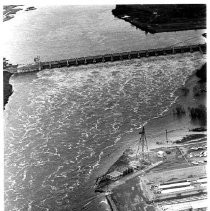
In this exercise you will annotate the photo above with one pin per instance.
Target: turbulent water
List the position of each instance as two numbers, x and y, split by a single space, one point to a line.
61 123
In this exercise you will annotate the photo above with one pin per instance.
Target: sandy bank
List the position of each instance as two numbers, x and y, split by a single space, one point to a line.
177 124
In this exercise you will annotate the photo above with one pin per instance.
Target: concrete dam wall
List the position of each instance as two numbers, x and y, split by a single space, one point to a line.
113 57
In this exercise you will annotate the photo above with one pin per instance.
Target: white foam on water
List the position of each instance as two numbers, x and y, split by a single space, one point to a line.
61 131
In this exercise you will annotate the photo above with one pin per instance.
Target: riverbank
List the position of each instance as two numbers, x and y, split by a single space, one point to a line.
7 86
176 120
8 71
103 58
179 121
163 18
9 11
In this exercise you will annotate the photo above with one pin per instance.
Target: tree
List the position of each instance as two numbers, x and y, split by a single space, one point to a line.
5 63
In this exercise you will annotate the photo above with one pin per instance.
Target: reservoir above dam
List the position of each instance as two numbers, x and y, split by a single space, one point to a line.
62 32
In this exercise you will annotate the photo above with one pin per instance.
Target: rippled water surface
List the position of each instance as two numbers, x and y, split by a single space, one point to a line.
61 32
61 123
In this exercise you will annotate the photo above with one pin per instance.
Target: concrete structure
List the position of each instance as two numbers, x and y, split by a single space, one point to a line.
114 175
167 186
187 206
115 57
160 191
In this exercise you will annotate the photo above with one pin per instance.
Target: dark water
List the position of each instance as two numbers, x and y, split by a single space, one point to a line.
61 124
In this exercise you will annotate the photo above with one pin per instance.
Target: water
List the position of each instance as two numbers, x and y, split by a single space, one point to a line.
59 32
61 124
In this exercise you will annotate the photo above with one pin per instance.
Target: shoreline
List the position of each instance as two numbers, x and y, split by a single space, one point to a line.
162 18
100 59
178 127
8 90
180 133
166 118
9 11
8 71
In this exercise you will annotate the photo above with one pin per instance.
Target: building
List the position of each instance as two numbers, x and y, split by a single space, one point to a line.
115 175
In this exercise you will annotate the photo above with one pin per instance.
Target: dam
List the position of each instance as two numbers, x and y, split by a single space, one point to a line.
111 57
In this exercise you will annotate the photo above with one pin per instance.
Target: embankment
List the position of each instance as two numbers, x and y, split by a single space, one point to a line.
7 86
178 120
188 112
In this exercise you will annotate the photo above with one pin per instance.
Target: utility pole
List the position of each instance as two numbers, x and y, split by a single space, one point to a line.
167 136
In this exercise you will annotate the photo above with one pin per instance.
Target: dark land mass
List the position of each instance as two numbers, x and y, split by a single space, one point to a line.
9 11
30 8
7 86
204 35
163 17
201 74
9 70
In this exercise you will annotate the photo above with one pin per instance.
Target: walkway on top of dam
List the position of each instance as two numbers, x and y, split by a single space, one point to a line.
113 57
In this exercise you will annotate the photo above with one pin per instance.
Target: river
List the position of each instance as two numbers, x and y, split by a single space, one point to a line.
61 124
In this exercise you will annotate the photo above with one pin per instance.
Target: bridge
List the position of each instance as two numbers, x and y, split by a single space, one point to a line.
113 57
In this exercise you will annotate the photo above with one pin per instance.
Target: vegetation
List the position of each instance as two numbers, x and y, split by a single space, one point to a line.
5 63
8 66
201 73
9 69
198 113
190 138
199 89
185 91
198 129
179 110
7 87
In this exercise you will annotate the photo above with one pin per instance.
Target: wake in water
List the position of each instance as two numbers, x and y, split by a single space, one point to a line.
61 123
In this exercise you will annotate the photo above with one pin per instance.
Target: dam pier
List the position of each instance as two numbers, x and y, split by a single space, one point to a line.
112 57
